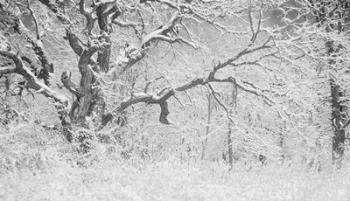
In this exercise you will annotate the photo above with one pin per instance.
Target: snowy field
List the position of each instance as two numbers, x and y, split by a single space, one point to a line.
169 181
36 166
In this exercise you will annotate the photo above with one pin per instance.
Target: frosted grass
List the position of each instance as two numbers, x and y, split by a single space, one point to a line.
172 181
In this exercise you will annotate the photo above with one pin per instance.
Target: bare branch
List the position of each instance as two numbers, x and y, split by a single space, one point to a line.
245 51
74 42
150 82
35 21
255 34
174 40
6 70
132 25
227 111
250 17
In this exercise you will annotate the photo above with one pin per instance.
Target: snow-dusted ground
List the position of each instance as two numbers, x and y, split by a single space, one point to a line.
34 166
172 181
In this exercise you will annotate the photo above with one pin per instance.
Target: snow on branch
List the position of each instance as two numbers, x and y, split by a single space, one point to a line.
55 9
167 32
199 13
33 81
125 24
163 32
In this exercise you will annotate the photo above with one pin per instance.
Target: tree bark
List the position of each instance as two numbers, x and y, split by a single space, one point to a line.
89 98
229 145
207 130
338 119
233 106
